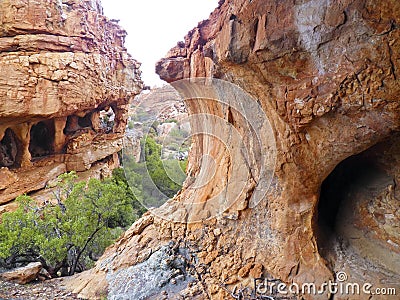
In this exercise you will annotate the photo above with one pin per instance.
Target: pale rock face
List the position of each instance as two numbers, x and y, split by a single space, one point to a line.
326 74
61 64
165 128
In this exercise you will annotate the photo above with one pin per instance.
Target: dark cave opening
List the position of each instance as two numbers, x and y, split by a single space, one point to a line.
71 125
357 219
86 121
352 173
10 150
42 139
75 123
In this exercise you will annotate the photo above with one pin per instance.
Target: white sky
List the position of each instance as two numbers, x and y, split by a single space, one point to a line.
155 26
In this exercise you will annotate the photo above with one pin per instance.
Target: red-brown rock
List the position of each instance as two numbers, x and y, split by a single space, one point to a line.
23 275
326 74
62 65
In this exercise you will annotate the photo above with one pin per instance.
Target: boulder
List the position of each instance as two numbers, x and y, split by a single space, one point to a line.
23 275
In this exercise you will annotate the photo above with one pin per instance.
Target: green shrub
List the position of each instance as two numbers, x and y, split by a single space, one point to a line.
167 175
68 235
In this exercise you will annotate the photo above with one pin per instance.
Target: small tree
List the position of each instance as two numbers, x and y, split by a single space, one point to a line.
69 235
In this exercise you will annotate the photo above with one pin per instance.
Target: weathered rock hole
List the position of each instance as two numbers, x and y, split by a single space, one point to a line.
10 150
76 123
71 125
42 139
230 117
350 173
358 211
86 121
107 119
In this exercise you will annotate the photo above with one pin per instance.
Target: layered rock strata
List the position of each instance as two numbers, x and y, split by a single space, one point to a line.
65 83
326 73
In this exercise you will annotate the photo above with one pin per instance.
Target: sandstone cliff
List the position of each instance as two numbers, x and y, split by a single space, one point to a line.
63 68
326 73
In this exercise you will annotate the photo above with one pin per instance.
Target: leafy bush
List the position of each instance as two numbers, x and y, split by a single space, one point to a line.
68 235
119 178
167 175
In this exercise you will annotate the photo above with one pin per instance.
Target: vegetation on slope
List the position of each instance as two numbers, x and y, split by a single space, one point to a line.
152 177
69 234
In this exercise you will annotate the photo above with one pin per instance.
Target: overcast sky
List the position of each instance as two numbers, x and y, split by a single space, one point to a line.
155 26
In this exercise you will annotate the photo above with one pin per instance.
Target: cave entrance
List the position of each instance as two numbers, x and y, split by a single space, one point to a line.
337 190
42 139
86 121
107 119
358 212
76 123
10 150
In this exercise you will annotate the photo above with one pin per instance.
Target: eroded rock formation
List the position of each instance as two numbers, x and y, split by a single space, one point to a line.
63 67
326 74
23 275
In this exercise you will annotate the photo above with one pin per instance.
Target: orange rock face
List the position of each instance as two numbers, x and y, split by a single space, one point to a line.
326 73
61 64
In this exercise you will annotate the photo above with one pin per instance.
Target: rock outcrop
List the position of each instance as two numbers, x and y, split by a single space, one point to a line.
23 275
326 73
63 66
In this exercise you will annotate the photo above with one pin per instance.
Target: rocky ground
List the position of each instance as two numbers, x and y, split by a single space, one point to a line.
46 290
